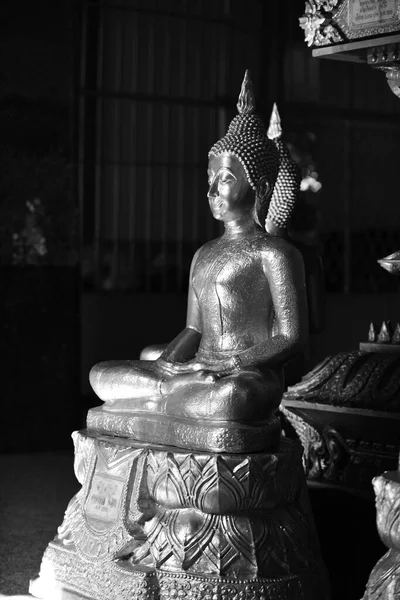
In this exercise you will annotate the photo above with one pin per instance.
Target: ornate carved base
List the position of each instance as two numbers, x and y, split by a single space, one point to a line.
158 522
189 587
217 436
384 581
64 575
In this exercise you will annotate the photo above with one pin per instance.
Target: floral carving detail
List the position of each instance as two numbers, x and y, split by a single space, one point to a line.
181 515
100 581
329 457
223 485
202 588
317 23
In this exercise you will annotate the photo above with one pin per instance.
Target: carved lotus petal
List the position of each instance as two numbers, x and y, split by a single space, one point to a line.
218 491
167 485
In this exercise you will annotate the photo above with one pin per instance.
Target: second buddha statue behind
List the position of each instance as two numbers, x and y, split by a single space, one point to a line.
218 384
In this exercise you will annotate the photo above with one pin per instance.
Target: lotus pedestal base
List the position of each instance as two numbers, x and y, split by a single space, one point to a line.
157 523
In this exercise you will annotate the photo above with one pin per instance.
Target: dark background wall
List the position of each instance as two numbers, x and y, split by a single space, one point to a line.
39 268
107 112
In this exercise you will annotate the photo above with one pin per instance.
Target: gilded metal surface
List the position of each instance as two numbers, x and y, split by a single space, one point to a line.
384 581
154 522
246 316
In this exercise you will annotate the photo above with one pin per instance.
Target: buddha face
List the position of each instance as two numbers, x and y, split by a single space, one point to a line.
230 195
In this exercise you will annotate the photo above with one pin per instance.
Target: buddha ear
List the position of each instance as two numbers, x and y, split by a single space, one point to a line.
263 188
263 191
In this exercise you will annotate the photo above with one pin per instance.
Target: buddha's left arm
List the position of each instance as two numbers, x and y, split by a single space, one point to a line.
284 269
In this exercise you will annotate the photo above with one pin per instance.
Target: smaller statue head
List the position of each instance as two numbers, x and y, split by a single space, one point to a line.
243 165
287 184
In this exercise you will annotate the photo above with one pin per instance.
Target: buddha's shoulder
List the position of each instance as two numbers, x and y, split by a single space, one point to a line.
275 247
205 248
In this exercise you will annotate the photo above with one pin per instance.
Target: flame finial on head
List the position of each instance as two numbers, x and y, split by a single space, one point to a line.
275 127
246 103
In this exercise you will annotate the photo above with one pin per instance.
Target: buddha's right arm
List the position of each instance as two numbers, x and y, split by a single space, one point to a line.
185 345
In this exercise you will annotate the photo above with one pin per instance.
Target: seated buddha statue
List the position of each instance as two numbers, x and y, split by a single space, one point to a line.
246 314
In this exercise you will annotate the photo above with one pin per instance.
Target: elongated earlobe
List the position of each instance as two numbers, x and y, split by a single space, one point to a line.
263 188
263 193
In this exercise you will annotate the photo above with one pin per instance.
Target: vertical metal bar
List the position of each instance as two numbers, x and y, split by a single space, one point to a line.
133 144
196 183
150 154
165 115
116 167
164 195
81 122
210 116
222 63
222 124
196 188
216 231
181 154
98 155
211 135
346 209
222 121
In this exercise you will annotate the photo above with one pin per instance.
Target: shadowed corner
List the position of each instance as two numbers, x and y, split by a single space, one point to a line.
34 493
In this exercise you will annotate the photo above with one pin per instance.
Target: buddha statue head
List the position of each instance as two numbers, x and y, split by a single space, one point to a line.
246 156
259 165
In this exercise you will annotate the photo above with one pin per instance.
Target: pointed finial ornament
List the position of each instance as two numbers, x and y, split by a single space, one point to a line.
396 335
246 103
372 333
275 127
384 334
